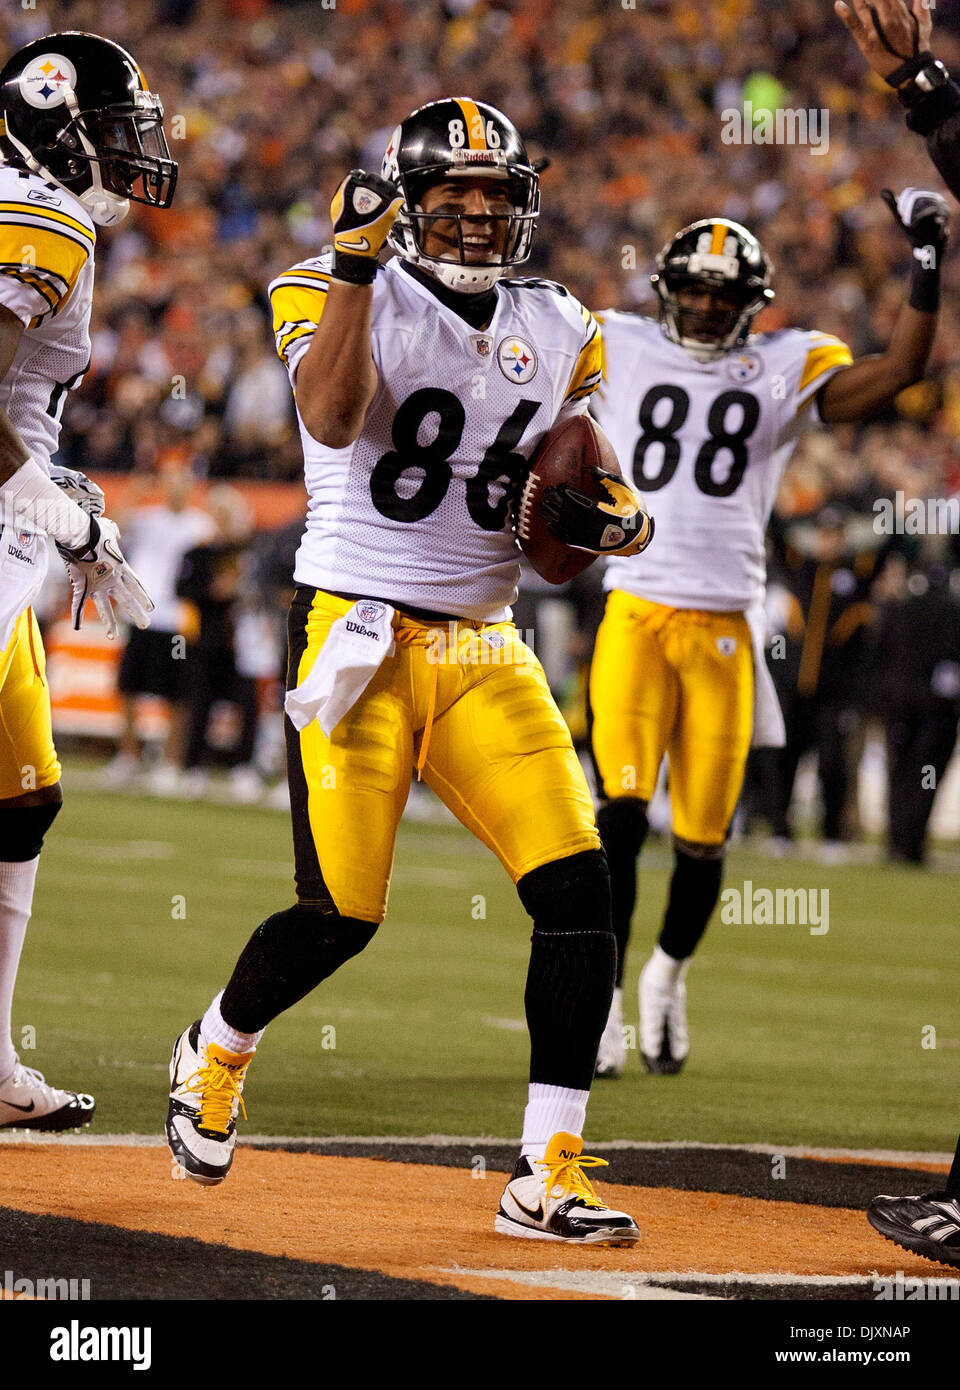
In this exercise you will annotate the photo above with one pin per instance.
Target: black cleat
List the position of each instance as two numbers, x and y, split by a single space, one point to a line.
928 1225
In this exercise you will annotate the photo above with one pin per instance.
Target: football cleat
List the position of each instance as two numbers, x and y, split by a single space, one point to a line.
664 1040
612 1054
559 1202
206 1085
929 1225
27 1102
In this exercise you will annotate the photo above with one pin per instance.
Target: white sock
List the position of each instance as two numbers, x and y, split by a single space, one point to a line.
215 1030
549 1110
16 901
666 971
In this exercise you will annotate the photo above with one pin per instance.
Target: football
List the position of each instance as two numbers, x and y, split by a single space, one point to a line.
567 454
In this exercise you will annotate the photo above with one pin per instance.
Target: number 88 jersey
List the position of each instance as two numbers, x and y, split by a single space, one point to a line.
418 510
706 443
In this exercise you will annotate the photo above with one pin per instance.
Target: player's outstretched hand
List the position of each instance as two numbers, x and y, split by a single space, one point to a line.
923 217
363 210
888 32
104 575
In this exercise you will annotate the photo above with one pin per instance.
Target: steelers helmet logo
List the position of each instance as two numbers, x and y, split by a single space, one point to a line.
44 79
518 360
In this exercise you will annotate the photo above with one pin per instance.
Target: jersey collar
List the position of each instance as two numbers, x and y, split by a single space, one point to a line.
477 311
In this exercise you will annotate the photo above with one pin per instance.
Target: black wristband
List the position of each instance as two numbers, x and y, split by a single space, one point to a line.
84 552
910 68
925 281
354 270
927 115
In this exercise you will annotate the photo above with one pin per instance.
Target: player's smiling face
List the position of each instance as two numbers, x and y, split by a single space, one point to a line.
483 208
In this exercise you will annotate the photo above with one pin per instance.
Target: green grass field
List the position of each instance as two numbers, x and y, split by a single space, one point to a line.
797 1038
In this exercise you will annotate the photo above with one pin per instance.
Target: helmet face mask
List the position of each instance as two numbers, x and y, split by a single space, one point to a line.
726 266
76 111
466 250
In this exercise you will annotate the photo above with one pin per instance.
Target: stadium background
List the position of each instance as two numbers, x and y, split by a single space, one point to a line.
803 1044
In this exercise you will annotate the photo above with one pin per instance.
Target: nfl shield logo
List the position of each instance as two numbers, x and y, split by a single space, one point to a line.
483 344
369 612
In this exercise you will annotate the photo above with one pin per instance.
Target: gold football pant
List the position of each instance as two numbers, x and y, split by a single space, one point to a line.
28 759
468 704
674 681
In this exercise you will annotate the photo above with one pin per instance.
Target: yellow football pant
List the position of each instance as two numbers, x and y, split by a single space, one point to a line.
28 759
677 681
469 703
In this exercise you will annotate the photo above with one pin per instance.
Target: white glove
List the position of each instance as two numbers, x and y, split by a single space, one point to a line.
107 578
80 489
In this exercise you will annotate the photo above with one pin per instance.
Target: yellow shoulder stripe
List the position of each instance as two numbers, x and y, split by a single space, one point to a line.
588 369
297 309
62 219
824 358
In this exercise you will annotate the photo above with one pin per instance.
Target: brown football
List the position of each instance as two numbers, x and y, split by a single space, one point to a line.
567 454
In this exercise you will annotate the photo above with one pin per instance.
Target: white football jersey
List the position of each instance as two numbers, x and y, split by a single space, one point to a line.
46 278
418 510
706 444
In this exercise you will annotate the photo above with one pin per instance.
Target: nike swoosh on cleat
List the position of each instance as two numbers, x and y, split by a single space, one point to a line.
25 1108
533 1215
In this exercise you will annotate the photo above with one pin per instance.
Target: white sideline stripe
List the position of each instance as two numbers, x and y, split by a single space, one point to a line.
615 1284
895 1157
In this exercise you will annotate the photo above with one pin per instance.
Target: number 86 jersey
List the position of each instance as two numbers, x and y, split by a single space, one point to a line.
418 510
706 443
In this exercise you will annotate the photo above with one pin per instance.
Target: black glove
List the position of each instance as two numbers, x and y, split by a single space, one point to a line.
363 210
619 525
924 219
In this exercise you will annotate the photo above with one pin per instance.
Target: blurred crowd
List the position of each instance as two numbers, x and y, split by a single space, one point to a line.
269 104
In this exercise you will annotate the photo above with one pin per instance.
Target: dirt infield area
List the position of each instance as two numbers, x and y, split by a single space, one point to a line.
414 1220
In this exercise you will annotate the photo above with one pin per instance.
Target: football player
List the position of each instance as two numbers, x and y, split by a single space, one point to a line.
423 387
80 137
895 40
704 416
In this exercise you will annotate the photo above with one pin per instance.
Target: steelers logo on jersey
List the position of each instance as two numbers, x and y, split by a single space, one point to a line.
518 360
743 366
43 80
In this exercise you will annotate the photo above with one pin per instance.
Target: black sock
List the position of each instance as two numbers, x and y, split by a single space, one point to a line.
286 957
572 966
694 890
623 828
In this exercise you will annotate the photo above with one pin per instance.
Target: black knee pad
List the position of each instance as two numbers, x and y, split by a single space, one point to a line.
22 829
623 825
569 895
286 957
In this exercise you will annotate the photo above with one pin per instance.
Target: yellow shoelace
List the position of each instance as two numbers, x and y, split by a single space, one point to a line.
568 1175
218 1087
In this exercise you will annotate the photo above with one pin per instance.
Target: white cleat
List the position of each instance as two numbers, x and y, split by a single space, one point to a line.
206 1085
664 1039
552 1199
27 1102
612 1055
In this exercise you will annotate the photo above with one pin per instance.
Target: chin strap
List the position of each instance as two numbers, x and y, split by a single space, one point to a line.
454 275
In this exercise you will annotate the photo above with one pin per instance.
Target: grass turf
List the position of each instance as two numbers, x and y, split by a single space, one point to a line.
142 906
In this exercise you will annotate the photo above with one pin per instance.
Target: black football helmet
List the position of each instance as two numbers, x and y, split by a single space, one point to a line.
719 255
75 109
456 138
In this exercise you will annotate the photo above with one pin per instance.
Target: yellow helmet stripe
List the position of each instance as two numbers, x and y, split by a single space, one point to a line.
476 133
719 237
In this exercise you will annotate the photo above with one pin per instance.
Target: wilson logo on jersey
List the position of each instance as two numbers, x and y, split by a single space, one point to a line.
518 360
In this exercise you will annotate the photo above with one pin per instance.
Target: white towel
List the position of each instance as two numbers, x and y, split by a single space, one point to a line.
356 645
768 726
